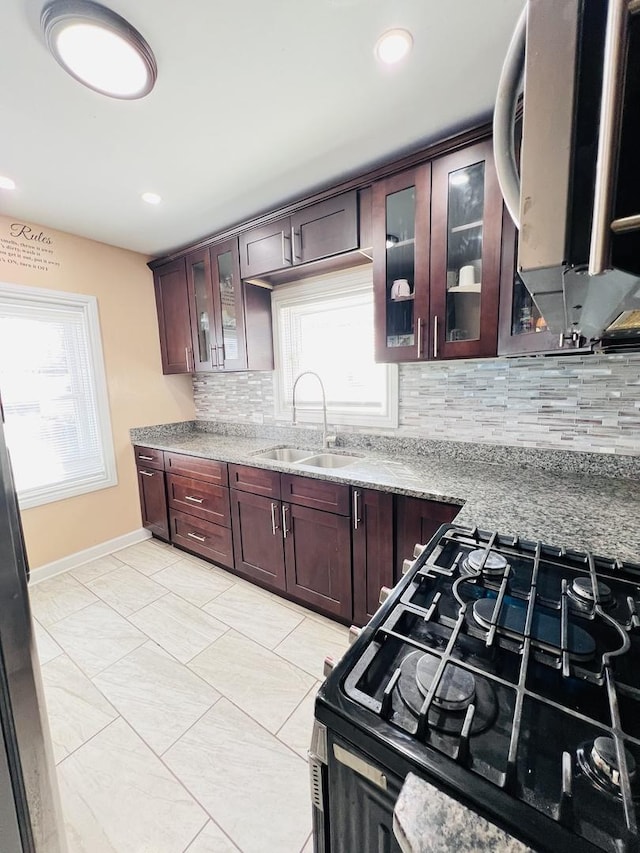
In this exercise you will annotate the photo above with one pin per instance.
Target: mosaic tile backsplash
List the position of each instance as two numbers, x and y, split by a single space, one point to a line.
582 402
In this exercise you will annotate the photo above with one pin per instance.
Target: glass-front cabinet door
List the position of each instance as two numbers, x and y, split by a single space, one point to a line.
227 290
201 309
465 253
401 264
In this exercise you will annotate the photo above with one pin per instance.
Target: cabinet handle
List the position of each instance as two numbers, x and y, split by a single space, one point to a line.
193 500
221 356
214 356
195 536
285 260
285 509
435 336
356 519
145 473
186 358
146 458
419 336
274 526
296 234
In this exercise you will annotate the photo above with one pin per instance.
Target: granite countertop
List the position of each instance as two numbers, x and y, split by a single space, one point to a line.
426 820
579 509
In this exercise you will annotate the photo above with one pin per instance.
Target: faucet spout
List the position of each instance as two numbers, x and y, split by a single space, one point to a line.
327 440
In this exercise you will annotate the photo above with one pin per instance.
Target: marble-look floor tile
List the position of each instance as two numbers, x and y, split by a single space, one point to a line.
96 568
254 678
212 840
180 628
193 582
118 797
253 786
149 556
126 590
256 616
76 708
55 598
309 644
48 649
296 732
159 697
96 637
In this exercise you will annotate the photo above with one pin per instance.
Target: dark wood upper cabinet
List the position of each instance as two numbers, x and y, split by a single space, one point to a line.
224 311
401 216
318 231
172 303
466 233
372 538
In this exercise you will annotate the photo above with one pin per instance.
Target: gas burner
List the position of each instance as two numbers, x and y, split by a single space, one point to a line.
581 592
495 564
600 763
457 689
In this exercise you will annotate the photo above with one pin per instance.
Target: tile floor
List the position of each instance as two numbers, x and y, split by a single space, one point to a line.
180 701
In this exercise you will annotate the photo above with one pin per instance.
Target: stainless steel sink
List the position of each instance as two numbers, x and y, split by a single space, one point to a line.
329 460
285 454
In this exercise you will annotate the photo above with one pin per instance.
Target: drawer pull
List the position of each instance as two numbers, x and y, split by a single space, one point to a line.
193 500
195 536
146 458
145 473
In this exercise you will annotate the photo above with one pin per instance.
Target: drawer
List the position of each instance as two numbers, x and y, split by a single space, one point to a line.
197 468
316 494
195 497
258 481
212 541
148 458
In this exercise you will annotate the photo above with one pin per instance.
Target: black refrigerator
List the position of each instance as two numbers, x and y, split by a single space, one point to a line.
30 813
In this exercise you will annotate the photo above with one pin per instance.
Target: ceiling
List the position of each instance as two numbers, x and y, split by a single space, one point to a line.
257 103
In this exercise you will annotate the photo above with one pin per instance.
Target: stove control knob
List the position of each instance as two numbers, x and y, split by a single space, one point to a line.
418 550
329 664
385 592
407 565
354 633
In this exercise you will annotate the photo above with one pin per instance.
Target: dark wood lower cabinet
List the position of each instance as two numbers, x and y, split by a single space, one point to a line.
372 537
317 547
257 537
416 522
153 501
212 541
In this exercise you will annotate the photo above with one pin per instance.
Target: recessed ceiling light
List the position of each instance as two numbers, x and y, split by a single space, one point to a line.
7 183
393 46
99 48
151 198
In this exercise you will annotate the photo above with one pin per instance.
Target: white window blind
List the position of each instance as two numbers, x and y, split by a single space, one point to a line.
326 324
53 392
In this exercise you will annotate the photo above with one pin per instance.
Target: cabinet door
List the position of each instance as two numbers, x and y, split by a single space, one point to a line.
257 538
325 229
203 332
229 306
172 303
401 265
317 548
466 228
416 523
266 248
522 327
153 501
372 536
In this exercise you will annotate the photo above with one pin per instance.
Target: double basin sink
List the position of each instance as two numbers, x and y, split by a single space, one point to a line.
308 458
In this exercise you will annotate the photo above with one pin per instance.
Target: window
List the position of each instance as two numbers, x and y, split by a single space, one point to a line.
54 394
325 324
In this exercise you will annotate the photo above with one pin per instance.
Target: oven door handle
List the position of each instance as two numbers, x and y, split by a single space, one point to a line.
361 767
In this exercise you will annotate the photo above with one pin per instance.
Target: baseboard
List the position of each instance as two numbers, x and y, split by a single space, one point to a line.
57 567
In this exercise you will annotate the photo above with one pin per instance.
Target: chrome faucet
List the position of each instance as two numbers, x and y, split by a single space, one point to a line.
327 440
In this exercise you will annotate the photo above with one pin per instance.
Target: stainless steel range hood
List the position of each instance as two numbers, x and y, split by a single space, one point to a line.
576 198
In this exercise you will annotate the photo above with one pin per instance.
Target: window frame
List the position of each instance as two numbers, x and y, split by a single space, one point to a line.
356 281
88 308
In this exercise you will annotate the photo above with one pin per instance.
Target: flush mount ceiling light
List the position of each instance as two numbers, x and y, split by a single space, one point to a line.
393 46
7 183
99 48
151 198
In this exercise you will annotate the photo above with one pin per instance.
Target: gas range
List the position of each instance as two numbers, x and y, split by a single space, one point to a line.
508 673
